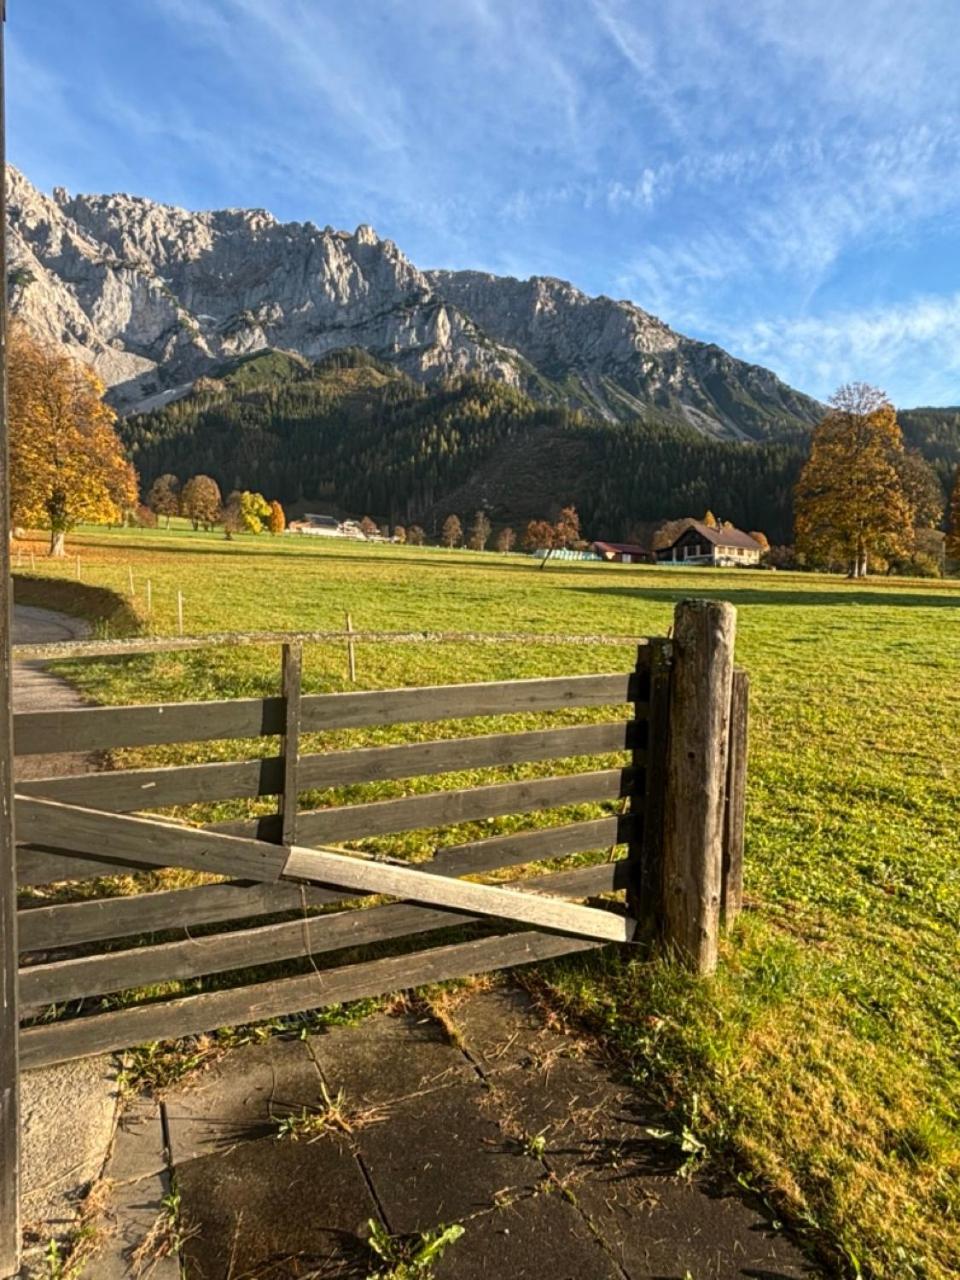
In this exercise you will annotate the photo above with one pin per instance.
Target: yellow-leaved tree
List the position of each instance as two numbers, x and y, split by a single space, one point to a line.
851 502
66 463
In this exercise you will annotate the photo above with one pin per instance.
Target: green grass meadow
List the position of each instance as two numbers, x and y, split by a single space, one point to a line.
824 1059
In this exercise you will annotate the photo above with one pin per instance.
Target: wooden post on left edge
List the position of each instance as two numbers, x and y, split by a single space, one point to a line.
9 1013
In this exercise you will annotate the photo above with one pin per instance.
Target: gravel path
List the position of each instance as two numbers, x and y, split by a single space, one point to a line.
36 689
69 1111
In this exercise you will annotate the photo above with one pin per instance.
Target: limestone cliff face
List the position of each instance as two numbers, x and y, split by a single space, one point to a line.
155 296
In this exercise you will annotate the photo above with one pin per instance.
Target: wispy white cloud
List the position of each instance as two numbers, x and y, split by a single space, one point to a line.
719 162
912 349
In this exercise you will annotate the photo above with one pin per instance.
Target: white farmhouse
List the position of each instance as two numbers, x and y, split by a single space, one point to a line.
702 544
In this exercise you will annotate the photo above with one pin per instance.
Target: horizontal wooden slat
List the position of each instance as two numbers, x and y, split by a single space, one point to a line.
68 924
520 847
119 970
124 791
39 866
462 701
130 790
147 841
102 728
103 1032
441 808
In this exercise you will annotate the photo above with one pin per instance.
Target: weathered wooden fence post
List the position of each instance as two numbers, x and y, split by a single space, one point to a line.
290 743
351 653
650 760
9 1017
696 781
735 812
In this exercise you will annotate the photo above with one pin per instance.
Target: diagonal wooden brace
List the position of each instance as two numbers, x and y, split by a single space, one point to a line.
92 832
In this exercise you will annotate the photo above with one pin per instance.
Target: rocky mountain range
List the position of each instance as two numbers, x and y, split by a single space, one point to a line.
156 296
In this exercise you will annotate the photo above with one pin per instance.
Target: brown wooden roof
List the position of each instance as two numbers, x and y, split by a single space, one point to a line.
721 537
622 548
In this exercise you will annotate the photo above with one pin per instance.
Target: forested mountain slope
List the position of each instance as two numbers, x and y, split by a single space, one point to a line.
354 431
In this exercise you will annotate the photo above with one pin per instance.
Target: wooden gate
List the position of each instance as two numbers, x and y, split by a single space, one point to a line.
671 831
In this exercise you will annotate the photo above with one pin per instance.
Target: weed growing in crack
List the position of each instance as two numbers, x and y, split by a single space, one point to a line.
409 1257
311 1123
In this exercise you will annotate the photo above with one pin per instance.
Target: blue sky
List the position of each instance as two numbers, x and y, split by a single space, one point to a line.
778 176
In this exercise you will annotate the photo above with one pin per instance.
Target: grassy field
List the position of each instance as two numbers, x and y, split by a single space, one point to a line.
826 1055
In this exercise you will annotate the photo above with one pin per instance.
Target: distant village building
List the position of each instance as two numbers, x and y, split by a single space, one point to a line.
702 544
326 527
623 553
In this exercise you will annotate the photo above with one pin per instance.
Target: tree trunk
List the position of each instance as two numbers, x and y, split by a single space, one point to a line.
58 542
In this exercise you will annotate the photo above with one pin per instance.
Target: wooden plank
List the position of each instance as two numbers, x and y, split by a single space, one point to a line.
736 804
68 924
103 1032
647 902
129 790
328 867
462 701
703 643
10 1120
290 742
40 866
146 841
519 847
420 759
445 808
83 976
102 728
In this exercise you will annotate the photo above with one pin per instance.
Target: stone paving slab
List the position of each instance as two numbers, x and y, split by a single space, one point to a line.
666 1227
539 1236
503 1028
134 1212
139 1148
68 1113
451 1135
241 1098
387 1057
301 1206
442 1158
587 1120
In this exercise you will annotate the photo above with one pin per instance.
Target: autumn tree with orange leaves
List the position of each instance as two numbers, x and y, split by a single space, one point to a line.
277 520
66 463
851 502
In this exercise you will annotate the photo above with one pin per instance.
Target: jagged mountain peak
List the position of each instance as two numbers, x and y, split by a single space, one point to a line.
155 296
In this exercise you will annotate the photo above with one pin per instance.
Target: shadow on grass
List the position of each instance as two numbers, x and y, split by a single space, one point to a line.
882 596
